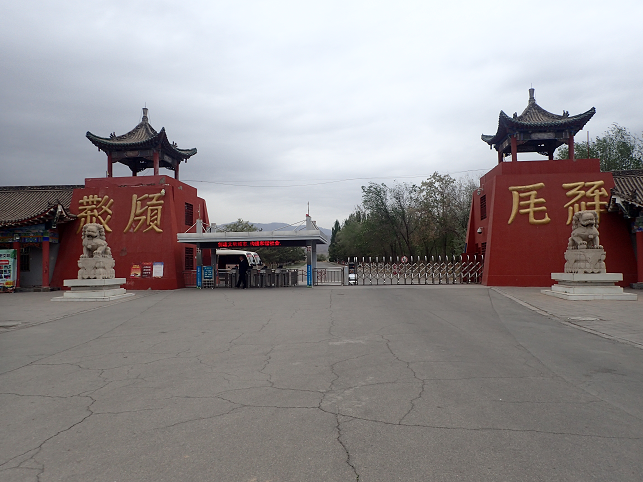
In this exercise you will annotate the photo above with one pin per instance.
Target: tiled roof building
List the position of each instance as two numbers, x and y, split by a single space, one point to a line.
29 223
29 205
628 189
627 198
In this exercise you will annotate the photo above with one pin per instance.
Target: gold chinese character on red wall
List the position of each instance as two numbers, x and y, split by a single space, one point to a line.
146 209
595 192
531 205
95 209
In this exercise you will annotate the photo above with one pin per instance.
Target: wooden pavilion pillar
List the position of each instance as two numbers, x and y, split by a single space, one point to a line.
156 163
499 156
109 164
176 170
514 148
16 246
45 264
570 147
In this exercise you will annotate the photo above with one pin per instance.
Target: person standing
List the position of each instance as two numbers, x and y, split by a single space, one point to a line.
243 269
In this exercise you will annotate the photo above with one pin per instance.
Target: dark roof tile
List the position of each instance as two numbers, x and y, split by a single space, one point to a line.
25 205
628 186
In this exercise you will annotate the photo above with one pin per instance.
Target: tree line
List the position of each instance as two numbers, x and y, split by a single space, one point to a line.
618 149
429 219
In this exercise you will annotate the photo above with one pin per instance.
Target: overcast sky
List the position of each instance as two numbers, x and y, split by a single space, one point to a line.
290 102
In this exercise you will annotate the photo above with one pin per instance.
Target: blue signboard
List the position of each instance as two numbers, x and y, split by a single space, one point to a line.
309 275
208 273
198 276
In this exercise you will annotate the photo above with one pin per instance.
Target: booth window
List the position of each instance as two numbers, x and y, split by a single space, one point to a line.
189 258
483 207
189 214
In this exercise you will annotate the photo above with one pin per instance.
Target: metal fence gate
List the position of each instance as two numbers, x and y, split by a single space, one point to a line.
365 271
328 276
416 271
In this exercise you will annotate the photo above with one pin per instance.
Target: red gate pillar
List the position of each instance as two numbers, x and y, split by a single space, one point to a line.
570 147
109 164
639 255
45 264
176 171
16 246
156 163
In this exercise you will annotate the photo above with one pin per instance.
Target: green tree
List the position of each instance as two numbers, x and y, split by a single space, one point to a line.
332 247
444 207
281 255
239 226
617 150
350 239
392 215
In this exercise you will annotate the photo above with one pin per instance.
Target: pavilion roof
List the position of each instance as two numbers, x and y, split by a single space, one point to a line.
536 119
143 136
29 205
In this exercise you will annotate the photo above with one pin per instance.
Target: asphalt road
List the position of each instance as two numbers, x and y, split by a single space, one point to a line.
428 383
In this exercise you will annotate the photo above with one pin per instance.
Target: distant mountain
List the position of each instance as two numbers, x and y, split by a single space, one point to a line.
273 226
321 248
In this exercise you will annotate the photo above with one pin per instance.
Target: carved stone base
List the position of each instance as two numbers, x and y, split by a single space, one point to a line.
585 260
96 268
94 290
588 286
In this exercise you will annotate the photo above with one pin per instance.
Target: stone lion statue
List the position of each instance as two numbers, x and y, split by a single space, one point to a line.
584 231
96 262
94 243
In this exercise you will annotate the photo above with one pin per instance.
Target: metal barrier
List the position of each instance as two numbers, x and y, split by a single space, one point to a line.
463 269
227 278
448 270
328 276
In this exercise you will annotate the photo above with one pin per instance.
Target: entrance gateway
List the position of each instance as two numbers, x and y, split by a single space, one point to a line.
250 240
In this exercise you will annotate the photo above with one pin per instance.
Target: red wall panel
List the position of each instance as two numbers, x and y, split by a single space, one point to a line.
524 253
150 238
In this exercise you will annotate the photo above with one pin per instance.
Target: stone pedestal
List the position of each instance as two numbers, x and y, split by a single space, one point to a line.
94 290
101 267
585 261
588 286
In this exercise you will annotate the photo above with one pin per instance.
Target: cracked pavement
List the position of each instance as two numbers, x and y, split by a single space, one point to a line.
359 384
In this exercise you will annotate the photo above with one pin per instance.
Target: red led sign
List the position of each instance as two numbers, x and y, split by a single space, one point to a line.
245 244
